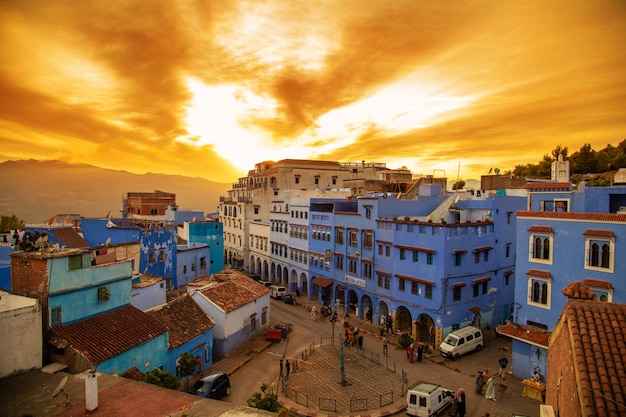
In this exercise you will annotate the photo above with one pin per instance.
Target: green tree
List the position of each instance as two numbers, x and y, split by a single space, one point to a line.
267 400
162 379
544 168
187 364
560 150
585 160
10 223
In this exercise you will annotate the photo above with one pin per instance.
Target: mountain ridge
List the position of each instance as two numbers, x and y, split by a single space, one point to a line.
35 190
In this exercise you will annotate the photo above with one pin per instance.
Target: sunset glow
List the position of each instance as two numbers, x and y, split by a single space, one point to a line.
208 89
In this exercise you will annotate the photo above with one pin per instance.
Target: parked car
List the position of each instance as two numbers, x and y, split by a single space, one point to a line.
290 298
460 342
214 385
426 400
277 291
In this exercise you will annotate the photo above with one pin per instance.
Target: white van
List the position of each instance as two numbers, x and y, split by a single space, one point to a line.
457 343
425 400
277 291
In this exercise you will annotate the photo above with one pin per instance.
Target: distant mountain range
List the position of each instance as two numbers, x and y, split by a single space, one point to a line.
35 191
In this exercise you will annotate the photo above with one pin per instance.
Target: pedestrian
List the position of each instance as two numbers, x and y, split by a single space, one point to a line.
479 383
178 366
503 362
409 353
360 341
199 363
389 324
281 368
297 292
313 313
385 349
490 390
461 407
420 351
287 367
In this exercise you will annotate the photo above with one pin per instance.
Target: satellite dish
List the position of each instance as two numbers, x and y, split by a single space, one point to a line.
195 219
108 242
385 195
110 224
59 387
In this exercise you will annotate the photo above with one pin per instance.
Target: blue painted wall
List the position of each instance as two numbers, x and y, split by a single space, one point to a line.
192 262
76 291
153 353
198 346
211 233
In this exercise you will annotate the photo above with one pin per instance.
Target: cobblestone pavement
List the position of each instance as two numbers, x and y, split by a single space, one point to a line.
318 385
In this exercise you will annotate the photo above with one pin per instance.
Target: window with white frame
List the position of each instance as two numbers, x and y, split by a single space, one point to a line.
600 253
539 291
541 248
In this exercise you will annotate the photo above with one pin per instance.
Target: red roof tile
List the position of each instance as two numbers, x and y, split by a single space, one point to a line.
70 238
528 334
184 319
601 217
578 290
599 330
598 283
544 229
109 334
539 273
602 233
236 291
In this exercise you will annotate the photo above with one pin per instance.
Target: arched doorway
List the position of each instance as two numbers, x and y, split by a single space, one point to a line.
353 303
404 321
425 329
383 312
303 285
366 306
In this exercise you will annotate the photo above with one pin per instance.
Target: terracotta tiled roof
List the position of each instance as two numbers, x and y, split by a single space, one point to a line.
549 186
544 229
133 373
538 273
184 319
234 293
322 282
70 238
578 290
598 283
109 334
524 333
602 233
601 217
598 335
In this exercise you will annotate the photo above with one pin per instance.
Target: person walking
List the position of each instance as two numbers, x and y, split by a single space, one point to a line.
287 367
385 349
360 341
389 323
420 351
199 363
461 406
479 383
281 369
490 390
503 362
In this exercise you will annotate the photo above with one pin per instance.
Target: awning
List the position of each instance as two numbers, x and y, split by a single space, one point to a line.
322 282
474 309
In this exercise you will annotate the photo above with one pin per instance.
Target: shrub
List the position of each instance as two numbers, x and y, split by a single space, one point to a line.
405 340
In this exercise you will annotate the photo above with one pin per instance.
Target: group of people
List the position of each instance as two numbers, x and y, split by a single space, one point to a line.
414 354
352 336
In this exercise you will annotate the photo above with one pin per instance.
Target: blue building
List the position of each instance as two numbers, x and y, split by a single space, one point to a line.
565 235
212 234
192 261
433 264
87 317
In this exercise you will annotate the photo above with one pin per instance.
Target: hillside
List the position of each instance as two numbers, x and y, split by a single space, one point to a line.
37 190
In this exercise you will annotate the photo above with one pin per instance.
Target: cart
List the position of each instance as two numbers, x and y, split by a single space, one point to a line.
278 332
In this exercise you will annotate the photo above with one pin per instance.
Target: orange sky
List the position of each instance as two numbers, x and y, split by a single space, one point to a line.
209 88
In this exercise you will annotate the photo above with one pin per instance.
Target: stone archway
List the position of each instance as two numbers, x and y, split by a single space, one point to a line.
366 307
425 329
303 285
353 303
292 284
404 321
382 312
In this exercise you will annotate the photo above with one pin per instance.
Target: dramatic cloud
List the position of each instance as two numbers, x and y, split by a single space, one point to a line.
207 89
